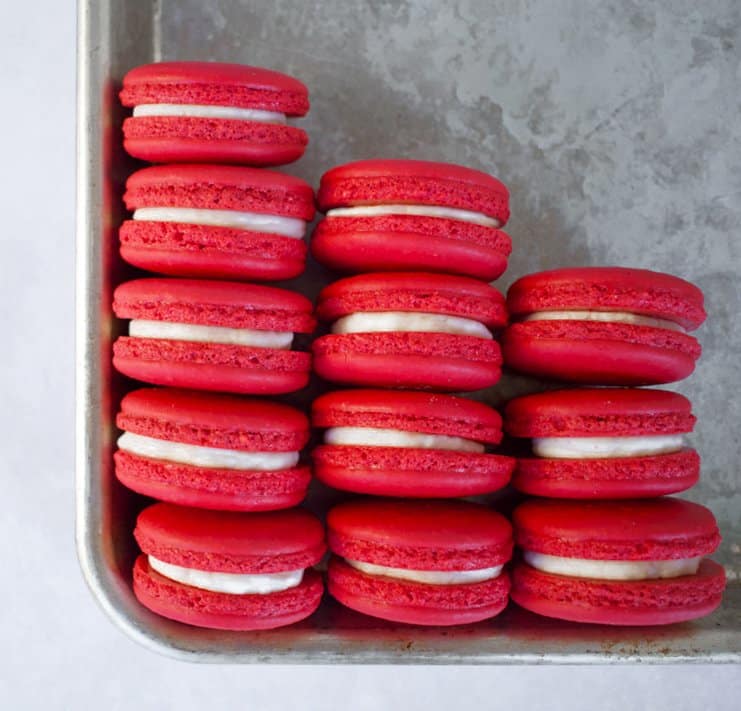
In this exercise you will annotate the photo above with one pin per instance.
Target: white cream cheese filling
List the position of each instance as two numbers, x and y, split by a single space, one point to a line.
380 437
395 321
209 111
612 569
451 213
604 317
141 328
252 221
605 447
209 457
231 583
430 577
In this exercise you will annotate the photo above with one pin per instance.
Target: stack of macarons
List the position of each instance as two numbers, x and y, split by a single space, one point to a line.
604 544
210 209
416 318
423 240
411 322
224 548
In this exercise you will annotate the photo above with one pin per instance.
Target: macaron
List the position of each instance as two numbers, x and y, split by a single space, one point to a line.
216 222
604 443
205 112
391 215
410 330
617 562
419 562
403 443
212 335
212 451
603 325
228 570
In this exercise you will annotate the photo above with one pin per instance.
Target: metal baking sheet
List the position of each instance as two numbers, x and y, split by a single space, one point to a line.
598 125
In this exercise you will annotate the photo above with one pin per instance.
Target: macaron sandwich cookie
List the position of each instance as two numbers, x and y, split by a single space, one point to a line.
603 325
617 562
410 330
212 112
391 215
419 562
402 443
215 221
604 443
212 335
211 450
227 570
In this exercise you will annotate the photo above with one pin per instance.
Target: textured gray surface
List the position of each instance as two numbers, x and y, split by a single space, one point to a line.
615 125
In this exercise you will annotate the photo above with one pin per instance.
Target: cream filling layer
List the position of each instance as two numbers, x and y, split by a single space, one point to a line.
380 437
604 317
209 111
252 221
612 569
209 457
141 328
606 447
396 321
230 583
430 577
451 213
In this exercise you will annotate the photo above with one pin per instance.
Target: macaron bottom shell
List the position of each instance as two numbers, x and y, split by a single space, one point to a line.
203 608
401 472
408 360
208 252
642 602
416 603
169 139
605 354
614 478
220 489
211 366
404 242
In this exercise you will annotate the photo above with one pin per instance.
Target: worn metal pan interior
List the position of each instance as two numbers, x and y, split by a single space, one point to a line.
113 37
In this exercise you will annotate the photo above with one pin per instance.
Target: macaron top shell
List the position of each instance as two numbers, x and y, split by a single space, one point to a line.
213 420
413 291
214 303
650 529
215 83
420 535
599 412
637 291
410 411
220 187
230 542
379 181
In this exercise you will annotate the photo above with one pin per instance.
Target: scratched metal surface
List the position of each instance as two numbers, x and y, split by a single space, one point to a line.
616 129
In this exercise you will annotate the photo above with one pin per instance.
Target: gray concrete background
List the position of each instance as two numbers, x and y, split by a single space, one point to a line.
614 124
58 649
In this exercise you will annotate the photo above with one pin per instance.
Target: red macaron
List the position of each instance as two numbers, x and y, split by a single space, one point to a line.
212 451
391 215
217 222
212 335
617 562
604 443
205 112
396 443
227 570
410 330
603 325
419 562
